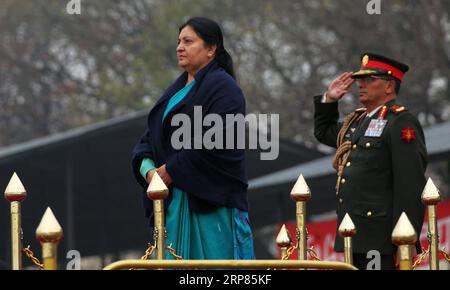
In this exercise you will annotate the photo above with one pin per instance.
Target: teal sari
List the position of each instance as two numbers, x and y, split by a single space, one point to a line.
224 233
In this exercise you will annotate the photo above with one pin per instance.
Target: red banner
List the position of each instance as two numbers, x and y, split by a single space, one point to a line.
322 234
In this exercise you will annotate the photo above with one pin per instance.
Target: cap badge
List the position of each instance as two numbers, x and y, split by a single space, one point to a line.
365 60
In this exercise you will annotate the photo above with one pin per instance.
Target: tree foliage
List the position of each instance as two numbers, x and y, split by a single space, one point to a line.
59 71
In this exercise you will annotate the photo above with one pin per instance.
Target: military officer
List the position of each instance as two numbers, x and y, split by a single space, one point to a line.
380 159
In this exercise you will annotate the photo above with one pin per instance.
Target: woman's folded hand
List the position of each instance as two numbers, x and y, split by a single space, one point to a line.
162 172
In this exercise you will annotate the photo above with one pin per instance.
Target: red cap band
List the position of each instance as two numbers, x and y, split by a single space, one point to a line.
381 65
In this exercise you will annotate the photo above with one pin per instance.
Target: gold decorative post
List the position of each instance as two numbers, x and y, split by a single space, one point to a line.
430 198
301 193
284 241
347 230
15 193
404 236
158 191
49 233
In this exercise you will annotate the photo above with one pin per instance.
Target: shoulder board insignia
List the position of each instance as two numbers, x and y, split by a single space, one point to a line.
398 109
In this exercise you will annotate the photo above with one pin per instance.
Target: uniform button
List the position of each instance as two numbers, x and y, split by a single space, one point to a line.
368 145
348 164
341 200
354 146
343 181
369 213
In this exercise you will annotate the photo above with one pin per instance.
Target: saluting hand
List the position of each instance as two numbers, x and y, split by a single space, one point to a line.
339 87
162 172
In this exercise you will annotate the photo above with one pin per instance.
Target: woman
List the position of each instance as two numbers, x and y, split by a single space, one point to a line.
207 209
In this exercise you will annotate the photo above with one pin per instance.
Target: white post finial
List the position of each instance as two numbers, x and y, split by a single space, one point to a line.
15 191
49 229
430 194
301 191
347 227
157 189
404 233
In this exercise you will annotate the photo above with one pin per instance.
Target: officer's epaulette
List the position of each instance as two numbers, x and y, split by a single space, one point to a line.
360 110
397 109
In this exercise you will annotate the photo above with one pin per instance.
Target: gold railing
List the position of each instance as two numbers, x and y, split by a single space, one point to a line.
228 264
49 233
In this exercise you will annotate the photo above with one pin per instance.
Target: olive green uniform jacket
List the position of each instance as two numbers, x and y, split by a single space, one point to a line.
384 176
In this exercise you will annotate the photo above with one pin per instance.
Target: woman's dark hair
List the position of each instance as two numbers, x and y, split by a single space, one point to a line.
210 32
